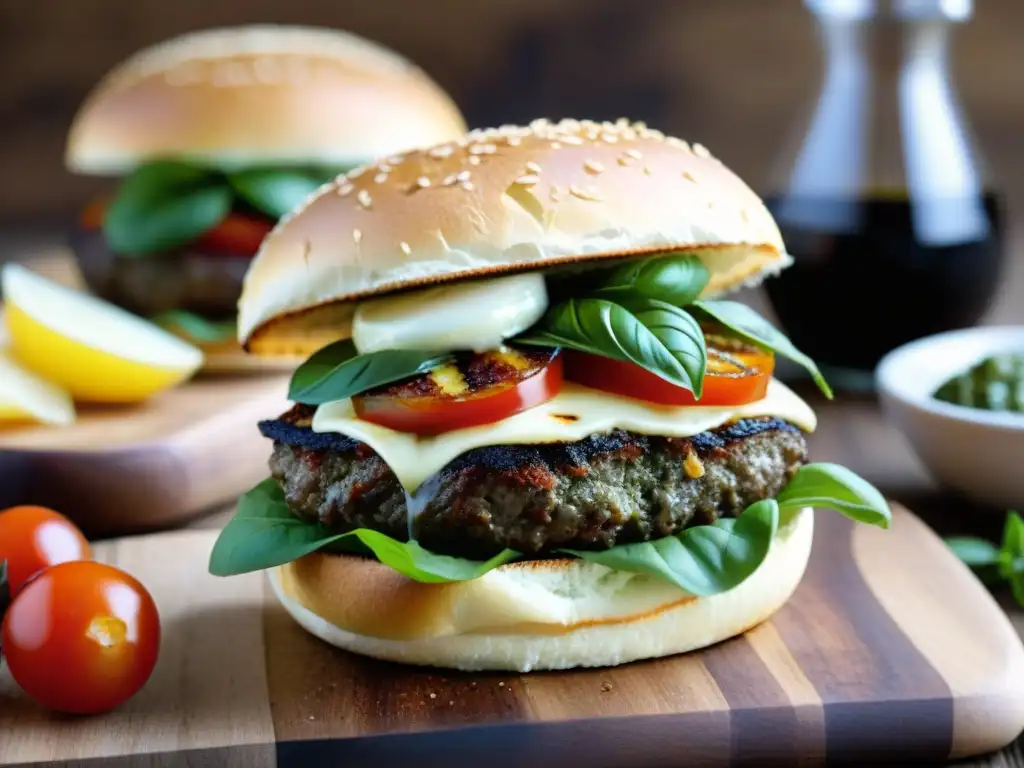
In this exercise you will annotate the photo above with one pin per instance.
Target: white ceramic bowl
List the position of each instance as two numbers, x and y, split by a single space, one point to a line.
976 452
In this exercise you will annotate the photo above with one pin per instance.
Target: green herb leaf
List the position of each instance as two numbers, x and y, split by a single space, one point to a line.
163 205
1013 544
703 560
195 327
264 534
973 551
835 487
658 337
676 279
744 321
337 371
276 191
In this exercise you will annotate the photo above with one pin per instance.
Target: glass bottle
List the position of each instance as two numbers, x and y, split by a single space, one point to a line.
884 206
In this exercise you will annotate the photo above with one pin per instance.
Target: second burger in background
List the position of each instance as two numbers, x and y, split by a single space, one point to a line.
216 135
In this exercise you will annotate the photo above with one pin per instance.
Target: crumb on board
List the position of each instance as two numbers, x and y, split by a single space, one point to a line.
433 695
605 687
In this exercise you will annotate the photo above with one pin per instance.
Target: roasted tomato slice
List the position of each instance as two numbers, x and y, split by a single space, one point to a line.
475 389
238 235
737 373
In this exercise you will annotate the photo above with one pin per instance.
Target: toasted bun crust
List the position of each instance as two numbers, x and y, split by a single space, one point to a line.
260 94
556 614
500 201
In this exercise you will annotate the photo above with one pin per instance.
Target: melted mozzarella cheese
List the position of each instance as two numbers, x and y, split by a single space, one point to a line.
575 413
476 314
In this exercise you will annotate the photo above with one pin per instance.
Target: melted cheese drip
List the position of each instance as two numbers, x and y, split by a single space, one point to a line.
572 415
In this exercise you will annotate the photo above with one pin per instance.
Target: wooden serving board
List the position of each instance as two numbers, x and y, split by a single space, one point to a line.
123 470
890 648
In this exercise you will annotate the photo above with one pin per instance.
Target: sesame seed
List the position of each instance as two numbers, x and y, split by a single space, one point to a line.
364 198
556 194
622 122
380 178
527 181
654 134
689 177
356 173
449 181
405 248
633 153
384 168
513 141
462 176
532 167
609 138
701 151
672 141
345 189
357 236
422 182
647 171
482 149
441 152
575 140
589 193
468 186
474 160
396 159
592 166
640 125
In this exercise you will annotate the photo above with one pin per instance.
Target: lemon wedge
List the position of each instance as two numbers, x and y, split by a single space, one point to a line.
24 397
93 350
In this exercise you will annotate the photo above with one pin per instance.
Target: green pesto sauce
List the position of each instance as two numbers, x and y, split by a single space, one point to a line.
994 384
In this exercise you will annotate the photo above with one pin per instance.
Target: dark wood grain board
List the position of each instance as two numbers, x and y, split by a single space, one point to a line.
889 649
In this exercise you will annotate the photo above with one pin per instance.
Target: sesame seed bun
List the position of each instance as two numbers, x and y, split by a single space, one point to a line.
534 615
500 201
259 94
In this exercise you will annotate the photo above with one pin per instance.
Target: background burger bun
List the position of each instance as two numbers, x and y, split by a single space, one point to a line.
263 95
494 202
535 615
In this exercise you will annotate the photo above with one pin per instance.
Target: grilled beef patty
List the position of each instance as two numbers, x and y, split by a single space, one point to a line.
607 489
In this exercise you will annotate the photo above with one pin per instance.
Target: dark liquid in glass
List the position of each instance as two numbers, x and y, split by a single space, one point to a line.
871 274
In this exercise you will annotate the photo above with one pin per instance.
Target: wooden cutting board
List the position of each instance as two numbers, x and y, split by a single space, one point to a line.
128 469
890 648
123 470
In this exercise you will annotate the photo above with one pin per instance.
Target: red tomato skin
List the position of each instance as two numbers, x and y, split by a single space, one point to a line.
82 637
33 538
630 380
423 416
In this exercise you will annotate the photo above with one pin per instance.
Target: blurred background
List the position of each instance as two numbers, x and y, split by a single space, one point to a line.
732 74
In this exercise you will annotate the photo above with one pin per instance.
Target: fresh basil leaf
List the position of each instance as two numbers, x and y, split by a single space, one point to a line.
658 337
275 191
834 487
744 321
973 551
265 534
676 279
337 371
1012 549
163 205
195 327
703 560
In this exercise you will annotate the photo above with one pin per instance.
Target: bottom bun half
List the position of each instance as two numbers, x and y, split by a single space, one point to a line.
531 615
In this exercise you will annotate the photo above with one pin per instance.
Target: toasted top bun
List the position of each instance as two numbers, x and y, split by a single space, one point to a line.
500 201
260 94
542 614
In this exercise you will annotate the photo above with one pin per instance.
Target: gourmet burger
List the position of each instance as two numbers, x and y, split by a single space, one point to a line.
217 134
530 434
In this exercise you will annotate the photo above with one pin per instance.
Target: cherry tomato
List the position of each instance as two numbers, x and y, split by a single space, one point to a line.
81 637
488 387
238 235
32 538
736 374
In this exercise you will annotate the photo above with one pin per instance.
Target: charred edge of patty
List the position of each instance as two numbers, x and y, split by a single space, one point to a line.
293 428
